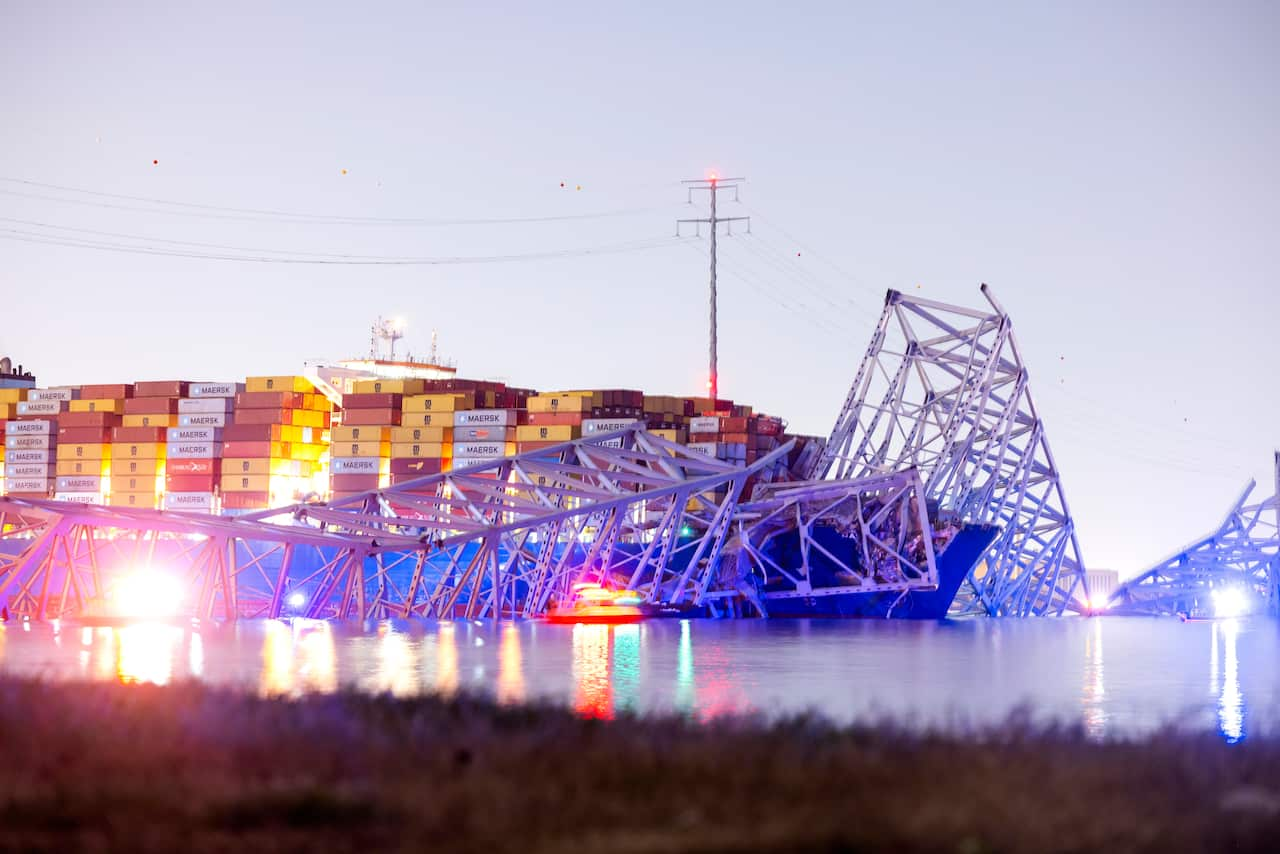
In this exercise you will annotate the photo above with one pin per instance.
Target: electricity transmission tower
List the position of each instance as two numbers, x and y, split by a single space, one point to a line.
713 185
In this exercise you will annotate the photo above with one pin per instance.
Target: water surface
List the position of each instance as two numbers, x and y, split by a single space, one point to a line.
1111 675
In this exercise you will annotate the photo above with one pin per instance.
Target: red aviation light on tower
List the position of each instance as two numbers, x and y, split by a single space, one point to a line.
712 176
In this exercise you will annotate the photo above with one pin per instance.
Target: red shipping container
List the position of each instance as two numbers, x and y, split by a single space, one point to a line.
405 478
253 449
106 392
161 388
354 482
269 400
416 467
264 416
88 419
84 435
245 500
151 406
189 482
139 434
372 400
521 447
193 467
251 433
545 419
361 417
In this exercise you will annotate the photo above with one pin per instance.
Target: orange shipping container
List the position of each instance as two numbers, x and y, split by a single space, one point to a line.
84 452
361 433
138 450
421 434
361 449
137 466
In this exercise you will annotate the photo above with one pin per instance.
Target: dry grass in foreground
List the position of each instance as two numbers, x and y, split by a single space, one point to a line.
106 767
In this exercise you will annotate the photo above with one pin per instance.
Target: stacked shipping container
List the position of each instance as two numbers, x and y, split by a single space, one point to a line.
361 444
194 445
276 450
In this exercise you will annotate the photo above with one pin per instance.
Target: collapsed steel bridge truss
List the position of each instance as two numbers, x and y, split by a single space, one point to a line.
943 389
1242 554
508 538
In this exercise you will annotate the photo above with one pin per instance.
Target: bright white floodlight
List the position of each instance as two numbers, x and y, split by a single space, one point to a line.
1229 602
297 600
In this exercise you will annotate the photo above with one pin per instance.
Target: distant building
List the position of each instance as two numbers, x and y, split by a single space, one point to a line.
1102 583
11 377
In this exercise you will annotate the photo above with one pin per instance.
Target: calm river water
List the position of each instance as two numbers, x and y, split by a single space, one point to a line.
1112 675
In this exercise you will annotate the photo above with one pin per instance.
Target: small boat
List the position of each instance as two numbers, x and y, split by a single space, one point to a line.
591 603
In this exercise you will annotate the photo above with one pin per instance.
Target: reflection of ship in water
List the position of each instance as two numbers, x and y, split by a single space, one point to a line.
298 657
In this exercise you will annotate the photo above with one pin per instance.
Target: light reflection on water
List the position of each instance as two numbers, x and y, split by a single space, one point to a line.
1230 701
510 666
1109 675
1093 705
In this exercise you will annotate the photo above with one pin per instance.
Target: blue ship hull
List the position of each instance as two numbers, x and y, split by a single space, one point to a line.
961 555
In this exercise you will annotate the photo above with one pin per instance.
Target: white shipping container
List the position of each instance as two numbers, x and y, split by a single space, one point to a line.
52 394
605 425
189 405
41 407
29 428
485 418
30 470
39 455
203 419
356 465
707 449
34 440
26 484
704 424
200 502
79 483
482 450
466 462
214 389
78 497
178 435
194 450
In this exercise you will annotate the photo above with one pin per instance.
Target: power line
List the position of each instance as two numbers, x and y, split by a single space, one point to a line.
80 243
203 211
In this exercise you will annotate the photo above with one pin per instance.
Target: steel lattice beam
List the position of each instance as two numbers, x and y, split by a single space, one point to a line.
1243 553
943 389
507 538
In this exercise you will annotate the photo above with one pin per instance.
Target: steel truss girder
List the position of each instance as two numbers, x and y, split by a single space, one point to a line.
512 536
1243 552
943 389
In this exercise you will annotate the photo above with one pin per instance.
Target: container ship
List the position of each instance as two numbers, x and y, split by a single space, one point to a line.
341 429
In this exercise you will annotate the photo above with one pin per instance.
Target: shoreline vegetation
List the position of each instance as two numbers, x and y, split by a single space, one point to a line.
109 767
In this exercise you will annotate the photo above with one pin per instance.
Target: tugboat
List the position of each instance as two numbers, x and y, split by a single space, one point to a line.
592 603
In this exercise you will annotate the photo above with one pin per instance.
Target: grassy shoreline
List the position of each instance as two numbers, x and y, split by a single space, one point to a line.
145 768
